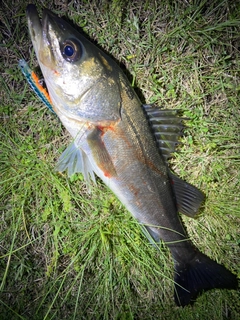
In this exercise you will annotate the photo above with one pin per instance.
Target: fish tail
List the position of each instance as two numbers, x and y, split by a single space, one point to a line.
199 275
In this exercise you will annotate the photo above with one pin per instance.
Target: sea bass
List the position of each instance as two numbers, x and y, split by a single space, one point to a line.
124 143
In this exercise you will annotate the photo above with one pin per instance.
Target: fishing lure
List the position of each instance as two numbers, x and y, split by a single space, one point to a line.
35 84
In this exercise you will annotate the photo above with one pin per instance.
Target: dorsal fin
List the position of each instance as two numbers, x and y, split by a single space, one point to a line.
189 199
166 126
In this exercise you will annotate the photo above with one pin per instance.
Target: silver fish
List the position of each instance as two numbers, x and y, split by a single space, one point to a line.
124 143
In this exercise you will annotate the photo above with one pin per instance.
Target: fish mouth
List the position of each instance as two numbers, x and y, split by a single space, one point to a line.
34 27
62 77
34 20
43 32
39 29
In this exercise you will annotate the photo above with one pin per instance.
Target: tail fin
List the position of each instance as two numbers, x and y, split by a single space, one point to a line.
201 274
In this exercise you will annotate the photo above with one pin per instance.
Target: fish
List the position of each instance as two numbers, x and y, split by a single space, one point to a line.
125 143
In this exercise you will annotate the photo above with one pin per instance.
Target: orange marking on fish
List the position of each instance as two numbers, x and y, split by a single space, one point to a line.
104 129
107 174
38 85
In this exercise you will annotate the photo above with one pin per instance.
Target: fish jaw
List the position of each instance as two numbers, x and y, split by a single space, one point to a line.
84 87
35 28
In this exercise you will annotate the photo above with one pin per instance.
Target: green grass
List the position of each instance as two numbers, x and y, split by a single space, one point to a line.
67 254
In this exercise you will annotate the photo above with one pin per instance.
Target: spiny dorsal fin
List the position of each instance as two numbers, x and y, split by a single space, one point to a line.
166 126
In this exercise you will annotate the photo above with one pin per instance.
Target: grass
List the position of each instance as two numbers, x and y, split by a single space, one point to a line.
66 254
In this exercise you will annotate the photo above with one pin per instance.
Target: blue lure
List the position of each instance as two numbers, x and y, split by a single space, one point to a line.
35 84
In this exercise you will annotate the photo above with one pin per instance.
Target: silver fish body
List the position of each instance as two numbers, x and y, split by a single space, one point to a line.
113 139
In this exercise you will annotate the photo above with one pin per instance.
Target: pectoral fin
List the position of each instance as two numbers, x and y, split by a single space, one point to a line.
74 160
188 198
100 153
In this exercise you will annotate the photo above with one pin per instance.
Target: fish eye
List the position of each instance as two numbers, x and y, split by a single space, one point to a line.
71 50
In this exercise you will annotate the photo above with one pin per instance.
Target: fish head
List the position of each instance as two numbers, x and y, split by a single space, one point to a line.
82 81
